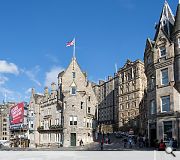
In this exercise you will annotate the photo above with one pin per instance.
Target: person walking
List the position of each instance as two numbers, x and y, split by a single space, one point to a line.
162 146
130 142
102 143
125 142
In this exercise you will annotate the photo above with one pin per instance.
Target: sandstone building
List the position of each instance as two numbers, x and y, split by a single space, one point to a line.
105 93
131 87
120 98
162 68
4 121
66 114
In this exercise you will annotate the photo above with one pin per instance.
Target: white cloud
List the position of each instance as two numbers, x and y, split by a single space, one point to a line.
28 91
32 74
6 67
51 76
3 79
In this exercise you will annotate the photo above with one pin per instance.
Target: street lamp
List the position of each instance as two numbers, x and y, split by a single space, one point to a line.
177 126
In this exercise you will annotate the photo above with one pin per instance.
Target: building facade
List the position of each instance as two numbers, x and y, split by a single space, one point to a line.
4 121
105 93
18 124
131 87
162 68
66 115
121 100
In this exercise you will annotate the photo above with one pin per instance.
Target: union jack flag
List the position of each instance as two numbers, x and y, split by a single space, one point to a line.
71 43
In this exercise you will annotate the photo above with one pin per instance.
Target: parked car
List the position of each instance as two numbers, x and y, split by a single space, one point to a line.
4 143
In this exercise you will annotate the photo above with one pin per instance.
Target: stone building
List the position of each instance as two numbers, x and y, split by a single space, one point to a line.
67 114
34 117
162 68
131 86
18 127
79 105
4 121
121 99
105 93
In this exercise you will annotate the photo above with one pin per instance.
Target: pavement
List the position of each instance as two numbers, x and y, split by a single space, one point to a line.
115 145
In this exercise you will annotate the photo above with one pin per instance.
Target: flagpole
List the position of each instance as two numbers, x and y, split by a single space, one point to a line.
74 48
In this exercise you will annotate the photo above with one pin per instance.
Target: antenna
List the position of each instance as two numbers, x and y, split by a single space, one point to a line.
5 98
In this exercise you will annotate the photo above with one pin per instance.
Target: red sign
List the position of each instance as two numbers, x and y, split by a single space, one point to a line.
17 113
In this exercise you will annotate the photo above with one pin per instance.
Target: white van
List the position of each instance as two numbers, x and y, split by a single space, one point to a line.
5 143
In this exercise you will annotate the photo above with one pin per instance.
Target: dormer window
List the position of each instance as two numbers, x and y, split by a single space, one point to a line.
73 90
162 51
148 59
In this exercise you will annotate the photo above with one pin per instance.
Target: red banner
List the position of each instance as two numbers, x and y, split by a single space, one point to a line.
17 113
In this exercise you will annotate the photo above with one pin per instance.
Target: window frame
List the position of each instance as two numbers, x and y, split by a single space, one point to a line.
73 92
89 109
164 77
162 49
179 42
152 107
168 97
74 75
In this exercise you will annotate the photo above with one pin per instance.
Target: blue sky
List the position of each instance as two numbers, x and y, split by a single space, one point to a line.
33 35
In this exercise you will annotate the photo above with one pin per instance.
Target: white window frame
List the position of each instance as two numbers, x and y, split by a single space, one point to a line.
121 107
127 105
166 69
179 42
75 119
152 107
70 120
168 96
49 137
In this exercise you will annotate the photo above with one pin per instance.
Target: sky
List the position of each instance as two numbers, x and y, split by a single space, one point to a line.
34 33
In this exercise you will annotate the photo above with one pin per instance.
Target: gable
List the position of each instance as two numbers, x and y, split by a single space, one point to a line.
73 76
148 45
162 38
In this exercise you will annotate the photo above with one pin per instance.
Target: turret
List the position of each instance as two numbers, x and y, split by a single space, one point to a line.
46 93
53 88
176 40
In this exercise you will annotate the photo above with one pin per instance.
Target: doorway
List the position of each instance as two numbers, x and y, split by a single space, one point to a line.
73 139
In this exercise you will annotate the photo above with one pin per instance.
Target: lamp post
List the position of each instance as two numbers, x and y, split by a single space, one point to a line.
177 126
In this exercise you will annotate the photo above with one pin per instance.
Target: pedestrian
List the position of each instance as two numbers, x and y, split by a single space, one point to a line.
130 142
125 142
171 142
147 142
107 140
103 135
174 145
135 140
81 142
101 143
140 142
162 146
144 139
96 135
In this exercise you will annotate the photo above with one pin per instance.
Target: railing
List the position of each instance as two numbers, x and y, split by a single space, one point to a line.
51 128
